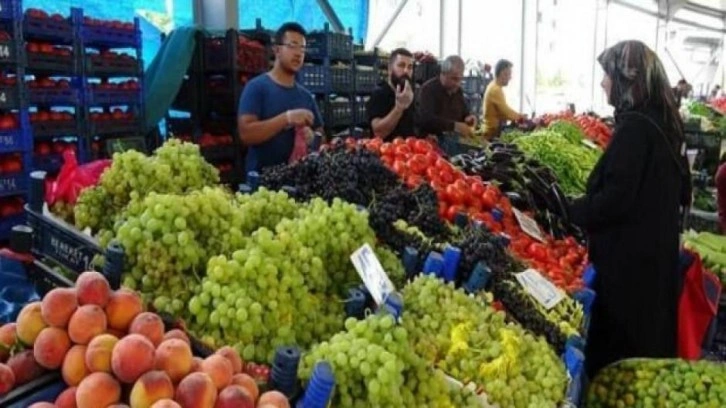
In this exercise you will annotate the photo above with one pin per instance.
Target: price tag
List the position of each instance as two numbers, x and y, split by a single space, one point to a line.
3 97
546 293
371 271
590 144
528 225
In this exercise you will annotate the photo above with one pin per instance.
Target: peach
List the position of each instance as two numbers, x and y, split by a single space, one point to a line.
98 354
7 379
67 399
149 388
233 356
177 334
219 370
118 406
58 306
42 404
74 365
174 357
196 390
7 340
86 323
92 289
234 396
275 398
149 325
29 323
116 333
132 356
196 365
166 403
248 383
51 347
98 390
123 306
24 367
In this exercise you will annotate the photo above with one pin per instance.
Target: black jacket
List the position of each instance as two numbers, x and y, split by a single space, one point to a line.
631 212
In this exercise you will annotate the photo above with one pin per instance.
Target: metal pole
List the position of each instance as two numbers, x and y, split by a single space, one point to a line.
389 23
536 53
332 16
594 53
461 18
442 20
521 56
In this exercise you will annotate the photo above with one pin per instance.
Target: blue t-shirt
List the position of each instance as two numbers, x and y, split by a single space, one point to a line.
266 99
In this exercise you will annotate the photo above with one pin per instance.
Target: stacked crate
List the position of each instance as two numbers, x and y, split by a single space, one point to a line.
371 68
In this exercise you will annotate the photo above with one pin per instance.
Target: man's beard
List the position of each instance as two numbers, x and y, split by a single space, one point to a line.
400 80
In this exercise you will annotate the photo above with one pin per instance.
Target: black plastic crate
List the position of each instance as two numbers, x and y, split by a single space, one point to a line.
361 113
54 96
218 53
51 64
366 80
327 44
99 66
179 127
49 163
186 99
10 97
373 58
322 79
50 29
55 128
338 113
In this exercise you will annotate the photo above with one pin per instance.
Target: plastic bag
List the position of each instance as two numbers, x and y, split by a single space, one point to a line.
72 179
300 148
697 306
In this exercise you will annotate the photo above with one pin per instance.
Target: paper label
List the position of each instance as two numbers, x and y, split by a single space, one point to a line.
478 391
528 225
589 143
546 293
371 271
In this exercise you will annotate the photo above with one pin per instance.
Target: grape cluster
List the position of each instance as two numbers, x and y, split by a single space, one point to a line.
471 341
353 175
175 168
374 366
477 244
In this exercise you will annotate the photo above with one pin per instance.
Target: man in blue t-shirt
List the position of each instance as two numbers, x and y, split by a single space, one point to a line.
273 105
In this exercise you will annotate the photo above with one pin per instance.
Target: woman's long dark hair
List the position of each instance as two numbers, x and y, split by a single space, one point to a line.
639 82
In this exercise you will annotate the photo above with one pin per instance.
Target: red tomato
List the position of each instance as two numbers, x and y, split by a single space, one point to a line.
432 173
446 177
461 184
386 149
452 211
488 200
422 146
400 167
537 251
475 202
418 164
402 151
443 209
455 195
399 141
432 156
414 180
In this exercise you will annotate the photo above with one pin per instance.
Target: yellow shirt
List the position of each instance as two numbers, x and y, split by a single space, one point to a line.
495 110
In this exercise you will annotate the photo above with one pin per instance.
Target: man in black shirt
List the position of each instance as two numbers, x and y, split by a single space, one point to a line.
390 108
442 104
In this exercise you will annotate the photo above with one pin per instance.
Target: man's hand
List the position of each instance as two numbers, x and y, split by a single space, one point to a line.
463 129
404 96
470 120
299 117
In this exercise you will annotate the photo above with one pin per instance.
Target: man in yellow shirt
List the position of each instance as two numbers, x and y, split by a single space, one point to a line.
495 106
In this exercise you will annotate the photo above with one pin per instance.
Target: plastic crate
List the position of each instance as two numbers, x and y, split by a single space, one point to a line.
97 66
338 113
54 96
424 71
51 64
251 59
45 388
9 52
107 97
217 54
374 58
14 140
322 79
180 126
13 184
11 10
219 153
55 128
186 99
7 224
50 163
114 127
361 113
107 37
59 31
327 44
366 80
9 97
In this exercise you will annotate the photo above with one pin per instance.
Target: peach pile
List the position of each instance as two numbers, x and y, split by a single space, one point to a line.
112 353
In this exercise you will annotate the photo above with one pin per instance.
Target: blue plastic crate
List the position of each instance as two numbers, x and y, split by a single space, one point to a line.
107 37
107 97
45 388
14 141
51 64
366 80
96 66
338 113
11 10
13 184
54 96
58 31
326 44
50 163
322 79
56 128
10 52
10 97
114 127
7 224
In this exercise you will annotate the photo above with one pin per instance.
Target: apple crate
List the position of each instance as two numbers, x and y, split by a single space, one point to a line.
52 63
9 97
13 183
54 96
327 44
110 34
96 65
105 97
55 28
11 10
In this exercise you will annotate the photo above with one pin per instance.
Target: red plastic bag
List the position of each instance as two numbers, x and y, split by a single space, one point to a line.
300 149
697 307
72 179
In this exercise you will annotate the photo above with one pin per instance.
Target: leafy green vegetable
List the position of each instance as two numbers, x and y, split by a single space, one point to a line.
571 162
512 135
699 109
568 130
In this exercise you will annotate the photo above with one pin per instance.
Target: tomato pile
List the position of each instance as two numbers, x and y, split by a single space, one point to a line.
719 104
416 161
595 130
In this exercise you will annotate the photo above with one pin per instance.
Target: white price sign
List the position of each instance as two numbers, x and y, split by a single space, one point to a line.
540 288
371 271
528 225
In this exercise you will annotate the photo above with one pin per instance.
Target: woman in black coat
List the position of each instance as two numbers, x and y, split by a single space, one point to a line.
631 212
